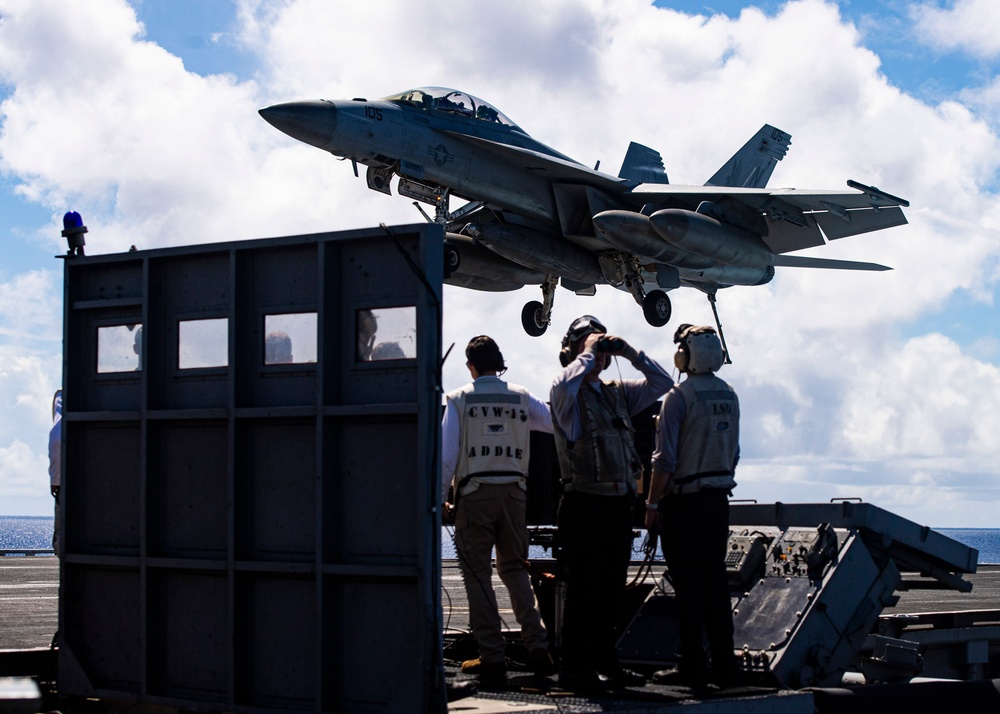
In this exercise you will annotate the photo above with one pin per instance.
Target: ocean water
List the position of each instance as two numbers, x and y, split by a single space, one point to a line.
36 532
985 540
25 532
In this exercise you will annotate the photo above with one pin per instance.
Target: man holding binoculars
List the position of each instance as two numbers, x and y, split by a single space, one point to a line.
592 424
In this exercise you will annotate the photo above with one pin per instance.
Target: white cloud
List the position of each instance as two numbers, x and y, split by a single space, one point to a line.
931 400
26 388
25 471
30 366
968 26
834 397
985 99
31 308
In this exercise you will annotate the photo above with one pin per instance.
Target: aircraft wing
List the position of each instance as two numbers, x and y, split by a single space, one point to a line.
797 218
552 168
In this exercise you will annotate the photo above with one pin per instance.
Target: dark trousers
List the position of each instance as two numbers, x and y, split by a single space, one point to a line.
695 531
595 543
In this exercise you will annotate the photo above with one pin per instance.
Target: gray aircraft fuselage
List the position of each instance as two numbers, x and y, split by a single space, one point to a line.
537 216
422 147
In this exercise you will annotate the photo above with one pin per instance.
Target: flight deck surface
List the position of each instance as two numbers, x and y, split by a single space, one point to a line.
29 592
28 619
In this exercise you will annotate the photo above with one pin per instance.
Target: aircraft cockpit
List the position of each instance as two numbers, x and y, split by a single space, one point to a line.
450 101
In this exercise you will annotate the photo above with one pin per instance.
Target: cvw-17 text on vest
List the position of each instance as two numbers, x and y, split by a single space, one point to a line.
495 434
709 437
604 461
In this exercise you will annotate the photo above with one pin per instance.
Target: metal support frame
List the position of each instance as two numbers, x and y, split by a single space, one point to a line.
226 517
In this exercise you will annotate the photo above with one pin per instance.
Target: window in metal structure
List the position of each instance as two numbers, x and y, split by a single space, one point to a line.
290 338
119 348
203 343
386 334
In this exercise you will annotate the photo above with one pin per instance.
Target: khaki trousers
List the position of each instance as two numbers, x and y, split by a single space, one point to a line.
494 516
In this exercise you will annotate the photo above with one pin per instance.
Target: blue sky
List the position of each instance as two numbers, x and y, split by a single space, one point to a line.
142 116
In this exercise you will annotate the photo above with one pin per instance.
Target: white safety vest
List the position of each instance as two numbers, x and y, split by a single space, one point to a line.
710 435
495 434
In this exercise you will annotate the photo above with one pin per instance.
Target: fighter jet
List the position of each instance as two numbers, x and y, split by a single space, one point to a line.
534 216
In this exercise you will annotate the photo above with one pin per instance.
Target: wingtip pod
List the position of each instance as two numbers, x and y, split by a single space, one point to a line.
877 196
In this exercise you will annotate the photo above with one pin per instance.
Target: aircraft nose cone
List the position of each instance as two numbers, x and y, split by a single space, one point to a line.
311 122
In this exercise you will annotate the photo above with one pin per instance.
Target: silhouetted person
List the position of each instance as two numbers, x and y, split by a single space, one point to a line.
697 447
600 467
486 441
278 348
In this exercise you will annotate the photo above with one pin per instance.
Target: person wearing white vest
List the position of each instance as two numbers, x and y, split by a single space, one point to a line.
599 465
485 452
694 464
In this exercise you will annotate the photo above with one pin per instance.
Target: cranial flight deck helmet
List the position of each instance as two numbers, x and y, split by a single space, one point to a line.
580 328
699 350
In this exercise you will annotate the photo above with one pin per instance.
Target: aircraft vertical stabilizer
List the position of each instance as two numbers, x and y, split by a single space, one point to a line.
752 165
643 165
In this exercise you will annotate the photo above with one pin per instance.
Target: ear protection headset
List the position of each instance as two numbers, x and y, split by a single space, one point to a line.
581 327
699 350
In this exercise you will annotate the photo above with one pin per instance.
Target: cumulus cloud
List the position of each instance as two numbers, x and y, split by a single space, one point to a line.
966 26
25 471
30 308
25 418
30 359
839 376
933 401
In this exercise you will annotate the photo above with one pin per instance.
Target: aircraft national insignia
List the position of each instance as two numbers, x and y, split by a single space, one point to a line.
440 154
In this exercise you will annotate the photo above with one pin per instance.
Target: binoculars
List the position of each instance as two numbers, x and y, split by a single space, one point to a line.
609 344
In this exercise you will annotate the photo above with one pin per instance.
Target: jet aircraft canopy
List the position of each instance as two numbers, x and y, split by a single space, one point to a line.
451 101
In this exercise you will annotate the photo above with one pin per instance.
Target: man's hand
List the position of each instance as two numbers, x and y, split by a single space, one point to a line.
590 341
627 351
447 514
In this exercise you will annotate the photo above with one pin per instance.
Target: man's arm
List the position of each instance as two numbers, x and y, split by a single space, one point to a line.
668 432
664 460
565 388
658 483
55 457
640 393
450 436
539 415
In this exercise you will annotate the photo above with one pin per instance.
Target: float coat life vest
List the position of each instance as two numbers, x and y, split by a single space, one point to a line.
604 461
709 439
495 433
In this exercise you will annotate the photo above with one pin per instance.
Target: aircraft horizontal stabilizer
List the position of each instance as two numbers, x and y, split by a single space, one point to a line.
801 261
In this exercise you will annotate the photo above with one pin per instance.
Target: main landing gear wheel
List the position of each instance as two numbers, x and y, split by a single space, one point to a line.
656 308
531 319
451 260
